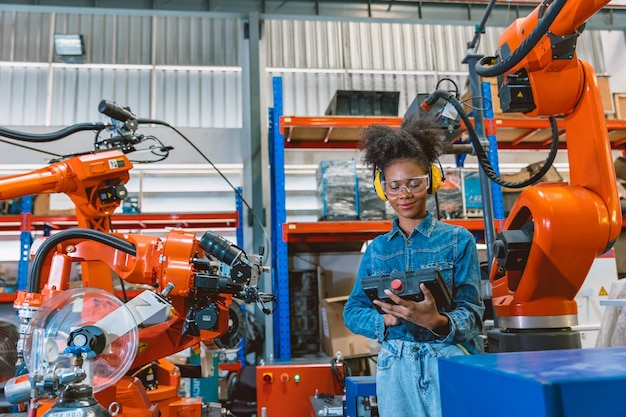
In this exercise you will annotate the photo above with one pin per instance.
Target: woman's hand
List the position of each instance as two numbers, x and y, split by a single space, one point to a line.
423 313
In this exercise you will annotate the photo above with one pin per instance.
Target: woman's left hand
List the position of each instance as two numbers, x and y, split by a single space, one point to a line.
423 313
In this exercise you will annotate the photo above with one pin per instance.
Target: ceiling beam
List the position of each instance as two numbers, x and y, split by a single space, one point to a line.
612 17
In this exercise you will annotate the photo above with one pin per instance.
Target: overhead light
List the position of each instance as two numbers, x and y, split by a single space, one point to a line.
69 47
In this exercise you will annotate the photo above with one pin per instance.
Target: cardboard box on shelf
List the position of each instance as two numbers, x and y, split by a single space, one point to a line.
336 337
605 93
551 176
619 101
53 205
514 177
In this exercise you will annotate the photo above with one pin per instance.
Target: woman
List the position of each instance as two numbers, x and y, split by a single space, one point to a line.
414 334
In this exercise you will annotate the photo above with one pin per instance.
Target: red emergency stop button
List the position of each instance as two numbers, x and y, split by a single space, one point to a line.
396 285
268 378
284 378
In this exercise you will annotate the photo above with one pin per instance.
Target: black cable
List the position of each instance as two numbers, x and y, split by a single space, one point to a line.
76 233
102 126
525 47
340 372
49 137
451 81
483 159
221 174
30 148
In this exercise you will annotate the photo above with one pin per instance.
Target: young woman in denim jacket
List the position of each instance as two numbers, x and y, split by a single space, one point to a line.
407 378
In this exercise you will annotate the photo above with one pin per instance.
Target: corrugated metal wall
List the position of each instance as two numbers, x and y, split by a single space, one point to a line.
317 58
188 70
122 39
184 70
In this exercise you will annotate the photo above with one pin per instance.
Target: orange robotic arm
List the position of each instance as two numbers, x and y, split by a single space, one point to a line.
193 290
554 231
94 182
175 264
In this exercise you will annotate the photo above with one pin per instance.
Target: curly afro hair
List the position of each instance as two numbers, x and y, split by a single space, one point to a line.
419 138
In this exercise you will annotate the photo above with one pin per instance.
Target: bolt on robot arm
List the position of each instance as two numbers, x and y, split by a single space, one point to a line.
554 231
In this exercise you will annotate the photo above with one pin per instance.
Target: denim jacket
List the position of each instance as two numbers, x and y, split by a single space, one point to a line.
432 243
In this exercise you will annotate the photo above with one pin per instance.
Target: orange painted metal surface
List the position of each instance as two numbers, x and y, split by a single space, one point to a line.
573 223
285 390
512 133
354 231
143 221
157 262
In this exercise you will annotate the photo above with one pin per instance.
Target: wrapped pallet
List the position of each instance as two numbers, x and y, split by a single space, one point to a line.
371 207
337 190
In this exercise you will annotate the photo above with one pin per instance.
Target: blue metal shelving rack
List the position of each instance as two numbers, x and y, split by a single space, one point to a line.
496 191
26 240
280 267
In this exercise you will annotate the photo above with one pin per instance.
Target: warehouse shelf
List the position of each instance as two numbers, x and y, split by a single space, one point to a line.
143 221
513 133
338 236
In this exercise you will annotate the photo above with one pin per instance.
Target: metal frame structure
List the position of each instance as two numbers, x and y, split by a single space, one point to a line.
612 17
341 132
518 133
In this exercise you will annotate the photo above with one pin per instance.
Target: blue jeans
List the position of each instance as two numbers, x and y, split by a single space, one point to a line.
407 378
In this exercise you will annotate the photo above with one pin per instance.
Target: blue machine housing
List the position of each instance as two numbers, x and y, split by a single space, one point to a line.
552 383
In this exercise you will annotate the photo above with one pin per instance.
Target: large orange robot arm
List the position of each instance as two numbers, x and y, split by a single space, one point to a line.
554 231
94 182
175 264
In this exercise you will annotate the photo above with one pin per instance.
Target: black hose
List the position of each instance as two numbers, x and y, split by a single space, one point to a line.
49 137
525 47
152 122
76 233
483 159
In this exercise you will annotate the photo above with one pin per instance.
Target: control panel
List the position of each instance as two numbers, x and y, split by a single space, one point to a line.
286 390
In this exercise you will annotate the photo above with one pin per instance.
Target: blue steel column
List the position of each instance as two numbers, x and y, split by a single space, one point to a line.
241 353
280 267
26 241
239 208
485 193
490 132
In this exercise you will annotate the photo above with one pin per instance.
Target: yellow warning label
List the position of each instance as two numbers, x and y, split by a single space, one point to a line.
520 95
603 291
142 347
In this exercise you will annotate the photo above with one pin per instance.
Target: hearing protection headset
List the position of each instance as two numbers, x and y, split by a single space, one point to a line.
435 176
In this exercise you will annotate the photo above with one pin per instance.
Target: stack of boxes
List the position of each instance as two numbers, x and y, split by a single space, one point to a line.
337 190
303 293
346 192
371 207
